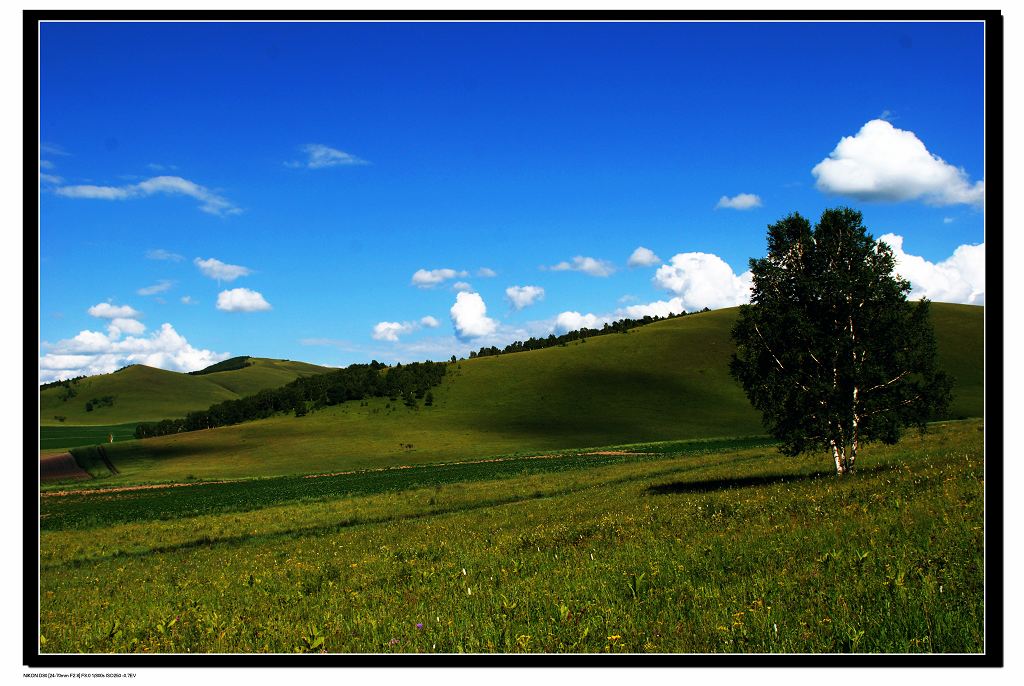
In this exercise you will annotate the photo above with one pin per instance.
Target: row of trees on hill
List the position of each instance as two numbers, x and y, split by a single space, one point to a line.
66 383
355 382
620 326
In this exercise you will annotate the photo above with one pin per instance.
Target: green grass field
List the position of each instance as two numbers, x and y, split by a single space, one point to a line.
664 381
679 548
54 437
143 393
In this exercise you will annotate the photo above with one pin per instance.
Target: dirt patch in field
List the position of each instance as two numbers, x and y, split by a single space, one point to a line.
122 489
61 467
613 452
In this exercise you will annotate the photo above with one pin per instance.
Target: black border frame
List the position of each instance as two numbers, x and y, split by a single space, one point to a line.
993 341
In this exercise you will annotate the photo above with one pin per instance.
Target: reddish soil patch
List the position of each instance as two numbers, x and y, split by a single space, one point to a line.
61 467
614 452
122 489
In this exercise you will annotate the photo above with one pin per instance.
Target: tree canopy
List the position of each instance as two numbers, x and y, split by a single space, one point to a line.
829 349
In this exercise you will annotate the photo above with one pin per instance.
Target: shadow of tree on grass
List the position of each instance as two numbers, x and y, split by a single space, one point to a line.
730 483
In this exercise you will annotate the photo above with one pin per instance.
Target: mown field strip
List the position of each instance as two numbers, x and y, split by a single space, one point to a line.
87 509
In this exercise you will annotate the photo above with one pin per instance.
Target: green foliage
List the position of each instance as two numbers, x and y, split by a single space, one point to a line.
581 335
228 365
738 552
829 350
96 403
67 384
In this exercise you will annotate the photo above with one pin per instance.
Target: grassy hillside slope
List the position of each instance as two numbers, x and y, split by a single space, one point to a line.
960 331
143 393
664 381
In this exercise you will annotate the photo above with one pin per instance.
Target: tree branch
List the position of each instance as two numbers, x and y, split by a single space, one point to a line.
890 409
889 382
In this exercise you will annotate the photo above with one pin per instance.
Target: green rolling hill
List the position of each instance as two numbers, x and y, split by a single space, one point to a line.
141 393
665 381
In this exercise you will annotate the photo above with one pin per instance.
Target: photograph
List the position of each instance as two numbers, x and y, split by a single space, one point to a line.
497 339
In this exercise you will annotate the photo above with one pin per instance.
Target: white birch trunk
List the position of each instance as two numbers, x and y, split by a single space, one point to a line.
840 457
853 405
853 442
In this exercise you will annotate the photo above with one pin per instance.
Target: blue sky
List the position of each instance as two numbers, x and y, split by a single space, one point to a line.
332 162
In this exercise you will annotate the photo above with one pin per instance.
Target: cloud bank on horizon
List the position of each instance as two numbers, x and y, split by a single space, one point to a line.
95 352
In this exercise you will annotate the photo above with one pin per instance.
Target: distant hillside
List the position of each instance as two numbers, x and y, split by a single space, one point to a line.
228 365
668 380
140 393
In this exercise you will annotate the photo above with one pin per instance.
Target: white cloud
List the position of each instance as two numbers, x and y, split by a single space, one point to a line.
187 300
215 269
486 272
161 254
121 325
53 149
469 316
570 321
884 163
390 331
658 308
703 280
462 286
108 311
50 179
209 201
743 201
524 296
46 164
241 300
643 257
428 278
587 265
948 220
960 278
159 287
98 192
92 352
321 156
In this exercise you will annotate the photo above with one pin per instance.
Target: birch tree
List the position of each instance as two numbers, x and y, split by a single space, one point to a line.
829 349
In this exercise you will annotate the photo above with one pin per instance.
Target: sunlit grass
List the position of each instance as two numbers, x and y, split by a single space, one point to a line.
741 550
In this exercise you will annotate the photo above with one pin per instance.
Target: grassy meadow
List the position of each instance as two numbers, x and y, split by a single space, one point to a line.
678 547
52 438
665 381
